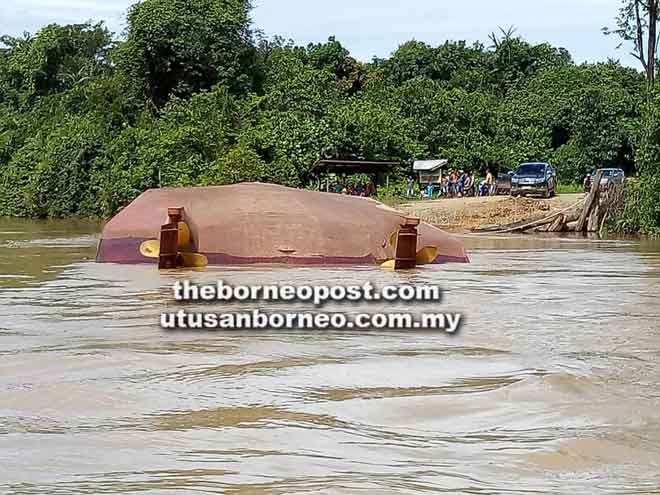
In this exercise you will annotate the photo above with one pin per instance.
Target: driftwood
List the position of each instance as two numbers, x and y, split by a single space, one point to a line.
529 225
558 224
593 225
602 223
499 228
573 215
543 228
591 199
590 214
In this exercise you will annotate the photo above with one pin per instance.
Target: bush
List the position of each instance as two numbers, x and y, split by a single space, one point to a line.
239 164
569 188
640 212
126 168
50 175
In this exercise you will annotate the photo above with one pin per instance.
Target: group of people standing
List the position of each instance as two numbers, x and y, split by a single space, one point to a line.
457 184
366 190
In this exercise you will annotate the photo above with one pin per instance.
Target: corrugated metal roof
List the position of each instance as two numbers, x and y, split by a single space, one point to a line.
429 165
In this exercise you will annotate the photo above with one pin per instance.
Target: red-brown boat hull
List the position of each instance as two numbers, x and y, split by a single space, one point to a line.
263 223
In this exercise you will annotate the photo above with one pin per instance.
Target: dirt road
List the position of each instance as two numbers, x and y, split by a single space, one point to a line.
462 214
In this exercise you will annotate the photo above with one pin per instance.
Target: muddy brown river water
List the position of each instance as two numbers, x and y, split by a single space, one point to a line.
552 385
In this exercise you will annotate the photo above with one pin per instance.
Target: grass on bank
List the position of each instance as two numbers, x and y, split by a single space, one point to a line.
569 188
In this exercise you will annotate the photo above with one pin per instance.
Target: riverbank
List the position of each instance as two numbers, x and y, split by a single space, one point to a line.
465 214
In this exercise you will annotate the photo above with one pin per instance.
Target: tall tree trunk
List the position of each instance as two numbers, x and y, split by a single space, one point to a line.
639 49
653 41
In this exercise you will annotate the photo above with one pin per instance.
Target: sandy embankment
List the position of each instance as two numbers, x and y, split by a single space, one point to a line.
464 214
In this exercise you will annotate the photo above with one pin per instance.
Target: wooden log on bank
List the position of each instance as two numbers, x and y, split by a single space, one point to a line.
602 223
573 215
542 228
592 199
535 224
558 224
593 224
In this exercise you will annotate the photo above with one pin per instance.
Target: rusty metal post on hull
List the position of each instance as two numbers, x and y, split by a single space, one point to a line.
169 240
406 245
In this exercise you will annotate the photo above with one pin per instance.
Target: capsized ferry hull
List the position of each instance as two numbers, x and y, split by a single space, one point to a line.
255 223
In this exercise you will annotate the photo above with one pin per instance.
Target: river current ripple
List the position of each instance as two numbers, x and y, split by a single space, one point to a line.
552 385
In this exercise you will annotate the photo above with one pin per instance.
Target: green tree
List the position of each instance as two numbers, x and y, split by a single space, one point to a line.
49 176
514 61
637 23
179 47
412 59
56 59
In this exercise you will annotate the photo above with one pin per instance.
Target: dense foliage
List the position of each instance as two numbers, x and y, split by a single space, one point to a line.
192 96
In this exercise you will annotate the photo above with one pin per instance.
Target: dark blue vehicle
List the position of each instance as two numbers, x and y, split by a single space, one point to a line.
534 178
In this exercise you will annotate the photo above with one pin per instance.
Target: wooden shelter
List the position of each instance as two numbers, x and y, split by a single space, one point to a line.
430 171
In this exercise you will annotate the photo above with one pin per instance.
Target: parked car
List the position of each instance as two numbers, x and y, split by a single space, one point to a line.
611 177
534 178
503 182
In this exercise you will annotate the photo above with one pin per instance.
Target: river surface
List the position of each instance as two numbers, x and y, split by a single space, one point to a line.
552 385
